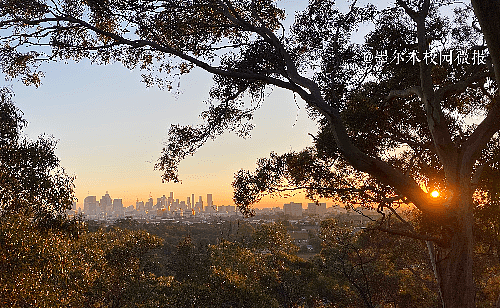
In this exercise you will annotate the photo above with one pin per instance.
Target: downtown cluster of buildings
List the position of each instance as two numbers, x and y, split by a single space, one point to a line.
165 207
107 207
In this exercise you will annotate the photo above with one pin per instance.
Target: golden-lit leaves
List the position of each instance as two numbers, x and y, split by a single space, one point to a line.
259 272
33 79
105 24
53 269
185 68
21 64
273 238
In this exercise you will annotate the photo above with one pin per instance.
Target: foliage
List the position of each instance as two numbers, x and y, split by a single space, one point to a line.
47 259
273 238
108 268
266 272
31 180
54 269
376 269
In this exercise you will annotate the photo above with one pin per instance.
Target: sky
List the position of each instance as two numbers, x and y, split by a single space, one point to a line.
111 129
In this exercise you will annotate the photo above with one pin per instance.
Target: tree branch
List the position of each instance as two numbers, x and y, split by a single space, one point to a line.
462 85
413 235
404 93
472 147
445 148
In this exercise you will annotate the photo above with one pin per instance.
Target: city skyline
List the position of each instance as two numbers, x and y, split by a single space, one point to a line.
110 209
115 206
266 202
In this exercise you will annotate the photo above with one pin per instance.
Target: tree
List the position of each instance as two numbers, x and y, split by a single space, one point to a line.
377 269
432 99
47 259
52 268
32 182
273 238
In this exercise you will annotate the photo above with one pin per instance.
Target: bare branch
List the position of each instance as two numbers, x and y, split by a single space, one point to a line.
462 85
416 236
404 93
472 147
408 10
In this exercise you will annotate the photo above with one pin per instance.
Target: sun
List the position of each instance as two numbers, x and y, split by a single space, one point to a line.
435 194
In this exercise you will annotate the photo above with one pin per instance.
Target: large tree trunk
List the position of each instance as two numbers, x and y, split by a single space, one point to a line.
454 264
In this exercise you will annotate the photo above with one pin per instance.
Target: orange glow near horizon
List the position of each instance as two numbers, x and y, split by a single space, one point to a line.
435 194
222 194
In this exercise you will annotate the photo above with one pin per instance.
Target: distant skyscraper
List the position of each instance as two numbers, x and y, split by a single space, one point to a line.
316 209
293 209
139 206
192 201
161 202
118 206
117 203
106 203
189 202
90 204
210 209
171 199
149 205
175 205
199 204
209 200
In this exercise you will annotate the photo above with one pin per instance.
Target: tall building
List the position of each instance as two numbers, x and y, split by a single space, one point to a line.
210 209
293 209
90 205
209 200
170 200
192 201
226 209
175 205
139 206
316 209
118 206
189 203
149 205
183 205
106 204
199 205
161 202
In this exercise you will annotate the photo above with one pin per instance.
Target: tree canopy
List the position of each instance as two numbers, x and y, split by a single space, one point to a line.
32 182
